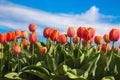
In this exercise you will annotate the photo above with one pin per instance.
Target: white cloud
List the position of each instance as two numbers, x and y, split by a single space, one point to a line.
19 17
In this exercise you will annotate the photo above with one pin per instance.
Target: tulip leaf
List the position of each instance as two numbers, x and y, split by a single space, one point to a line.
108 78
12 75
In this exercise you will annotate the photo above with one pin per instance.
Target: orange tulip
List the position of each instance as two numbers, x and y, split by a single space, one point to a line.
70 32
25 42
84 42
114 35
2 38
119 46
46 32
24 34
98 39
32 27
33 37
18 33
116 49
43 50
106 38
63 38
76 39
10 36
80 31
105 47
54 35
88 33
16 49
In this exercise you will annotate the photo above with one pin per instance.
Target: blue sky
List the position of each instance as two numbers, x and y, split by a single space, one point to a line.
103 15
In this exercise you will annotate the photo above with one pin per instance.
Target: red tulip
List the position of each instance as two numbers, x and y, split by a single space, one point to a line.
98 39
25 42
10 36
2 38
32 27
16 49
46 32
70 32
105 47
76 39
54 35
43 50
63 38
106 38
24 34
88 34
33 37
114 35
80 31
18 33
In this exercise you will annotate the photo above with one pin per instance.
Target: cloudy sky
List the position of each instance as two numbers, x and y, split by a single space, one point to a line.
103 15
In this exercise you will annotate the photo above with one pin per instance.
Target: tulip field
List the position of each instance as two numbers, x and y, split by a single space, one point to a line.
76 55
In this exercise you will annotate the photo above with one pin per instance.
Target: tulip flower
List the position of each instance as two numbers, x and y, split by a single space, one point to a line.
119 46
63 38
88 34
106 38
70 32
32 27
16 49
25 42
18 33
10 36
46 32
2 38
43 50
54 35
105 47
116 49
80 31
33 37
84 42
98 39
76 39
24 34
114 35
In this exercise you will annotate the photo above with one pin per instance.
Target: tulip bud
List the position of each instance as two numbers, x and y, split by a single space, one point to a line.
63 38
18 33
16 49
106 38
32 27
116 49
25 42
98 39
119 46
88 34
24 34
114 35
2 38
76 39
105 47
33 38
70 32
43 50
80 31
46 32
10 36
54 35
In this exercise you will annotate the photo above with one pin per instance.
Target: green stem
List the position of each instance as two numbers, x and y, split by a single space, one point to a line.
70 40
113 45
32 53
1 61
8 56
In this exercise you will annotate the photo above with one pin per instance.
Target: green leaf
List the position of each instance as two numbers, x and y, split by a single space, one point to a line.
38 73
108 78
95 65
13 75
